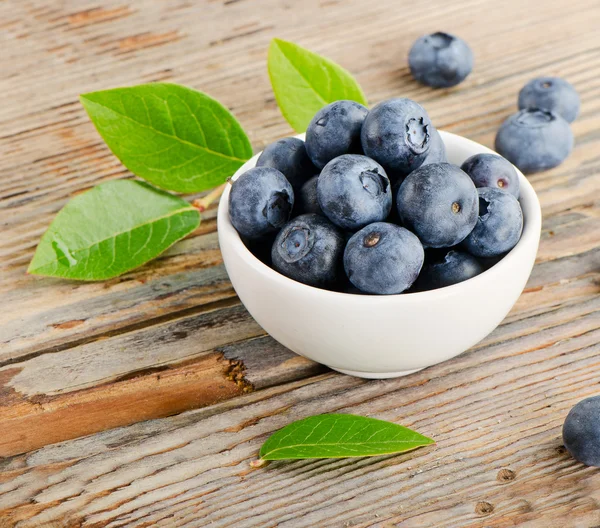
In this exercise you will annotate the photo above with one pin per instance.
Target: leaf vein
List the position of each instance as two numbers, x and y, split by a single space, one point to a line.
160 132
88 248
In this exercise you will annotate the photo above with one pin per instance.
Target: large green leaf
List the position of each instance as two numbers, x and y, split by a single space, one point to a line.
304 82
111 229
340 436
172 136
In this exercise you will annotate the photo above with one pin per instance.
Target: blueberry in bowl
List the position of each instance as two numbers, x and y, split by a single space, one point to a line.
308 249
289 156
448 268
499 225
438 202
306 198
260 202
397 134
354 191
394 252
385 335
437 149
491 170
335 130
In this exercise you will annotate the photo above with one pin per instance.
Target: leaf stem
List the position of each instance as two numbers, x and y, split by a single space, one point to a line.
258 463
202 204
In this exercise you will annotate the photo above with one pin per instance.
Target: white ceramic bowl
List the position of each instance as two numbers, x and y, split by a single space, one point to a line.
382 336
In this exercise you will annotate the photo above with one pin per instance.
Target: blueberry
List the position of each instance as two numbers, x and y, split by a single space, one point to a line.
335 130
453 267
490 170
260 202
553 94
440 60
288 155
397 134
581 431
383 258
261 247
438 202
354 191
499 225
437 149
306 198
309 249
394 217
534 140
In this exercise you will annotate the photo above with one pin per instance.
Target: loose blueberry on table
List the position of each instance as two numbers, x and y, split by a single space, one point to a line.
440 60
534 140
448 224
552 94
581 431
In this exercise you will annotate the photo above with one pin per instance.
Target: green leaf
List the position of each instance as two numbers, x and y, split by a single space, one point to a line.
111 229
305 82
340 436
174 137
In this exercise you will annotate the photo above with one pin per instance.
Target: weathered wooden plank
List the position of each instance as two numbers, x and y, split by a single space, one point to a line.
524 388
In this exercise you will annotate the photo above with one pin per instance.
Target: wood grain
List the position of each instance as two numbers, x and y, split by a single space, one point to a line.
140 401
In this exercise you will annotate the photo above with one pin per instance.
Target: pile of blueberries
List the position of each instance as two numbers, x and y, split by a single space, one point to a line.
369 204
374 205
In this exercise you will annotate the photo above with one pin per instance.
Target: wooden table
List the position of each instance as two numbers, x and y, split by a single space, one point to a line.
141 401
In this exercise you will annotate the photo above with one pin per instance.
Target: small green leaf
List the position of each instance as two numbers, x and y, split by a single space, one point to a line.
340 436
111 229
305 82
174 137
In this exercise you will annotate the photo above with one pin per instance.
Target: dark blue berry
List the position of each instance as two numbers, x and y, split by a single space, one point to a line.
439 203
260 202
440 60
306 198
553 94
288 155
354 191
397 134
534 140
335 130
491 170
452 268
581 431
261 247
499 225
309 249
437 149
383 258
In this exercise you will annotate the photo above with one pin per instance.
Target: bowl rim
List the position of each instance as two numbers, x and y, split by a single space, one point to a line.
529 236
